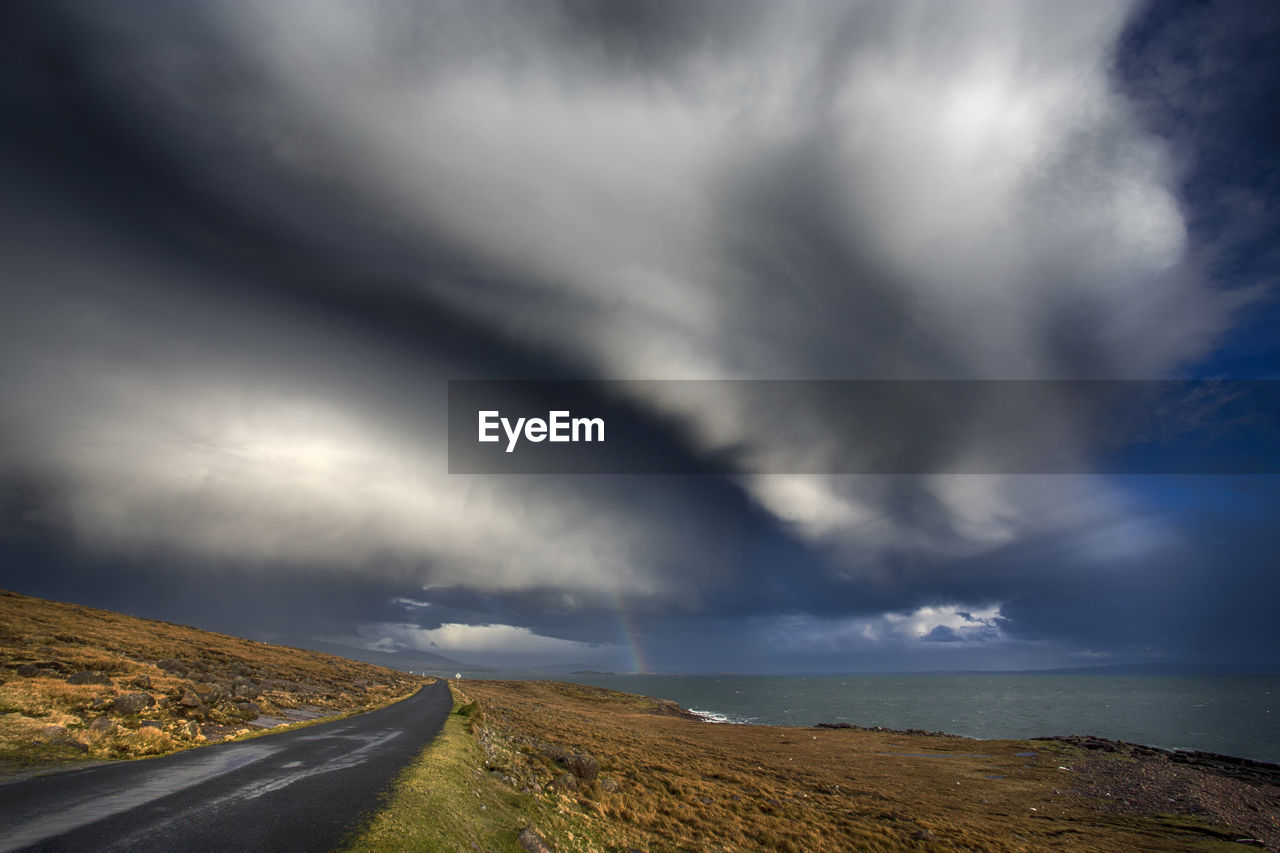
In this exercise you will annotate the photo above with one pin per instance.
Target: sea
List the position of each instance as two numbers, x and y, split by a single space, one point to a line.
1231 715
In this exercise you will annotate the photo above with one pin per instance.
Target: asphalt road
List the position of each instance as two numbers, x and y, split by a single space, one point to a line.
300 790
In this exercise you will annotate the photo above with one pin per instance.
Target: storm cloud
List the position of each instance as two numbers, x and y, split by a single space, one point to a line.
248 244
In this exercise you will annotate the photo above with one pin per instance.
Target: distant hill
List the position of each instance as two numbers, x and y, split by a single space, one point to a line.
405 660
1159 668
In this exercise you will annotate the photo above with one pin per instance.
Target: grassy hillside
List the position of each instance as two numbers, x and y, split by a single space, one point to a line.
77 682
595 770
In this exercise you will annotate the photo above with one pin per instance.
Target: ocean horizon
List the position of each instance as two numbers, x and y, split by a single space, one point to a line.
1227 714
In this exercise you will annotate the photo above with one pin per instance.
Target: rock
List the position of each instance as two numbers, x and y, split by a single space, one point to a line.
566 782
142 682
531 842
47 651
245 690
87 677
133 703
32 670
102 725
101 703
191 730
189 700
609 785
249 709
583 766
150 724
173 666
208 692
58 736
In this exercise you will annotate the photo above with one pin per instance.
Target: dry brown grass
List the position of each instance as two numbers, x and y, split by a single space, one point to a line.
43 718
669 783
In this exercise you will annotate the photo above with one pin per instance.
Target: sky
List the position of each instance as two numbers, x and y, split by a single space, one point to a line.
248 244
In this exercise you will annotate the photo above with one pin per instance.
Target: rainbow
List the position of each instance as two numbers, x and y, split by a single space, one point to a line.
630 636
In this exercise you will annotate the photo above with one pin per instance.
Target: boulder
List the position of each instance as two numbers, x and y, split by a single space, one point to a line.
531 842
208 692
566 782
583 766
84 676
142 682
191 730
173 666
133 703
189 700
102 725
58 736
245 690
249 709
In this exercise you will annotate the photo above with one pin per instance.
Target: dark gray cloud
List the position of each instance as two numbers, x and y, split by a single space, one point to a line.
247 244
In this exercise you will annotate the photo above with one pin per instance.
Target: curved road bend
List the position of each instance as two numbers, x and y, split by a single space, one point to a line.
299 790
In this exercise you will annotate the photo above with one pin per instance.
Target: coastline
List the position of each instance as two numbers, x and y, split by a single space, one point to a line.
666 781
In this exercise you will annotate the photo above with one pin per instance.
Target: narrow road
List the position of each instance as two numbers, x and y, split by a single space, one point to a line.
300 790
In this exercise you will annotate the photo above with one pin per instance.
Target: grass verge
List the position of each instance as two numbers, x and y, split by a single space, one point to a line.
448 800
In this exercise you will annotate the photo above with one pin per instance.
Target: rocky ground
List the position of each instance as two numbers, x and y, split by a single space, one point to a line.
77 683
1126 778
641 774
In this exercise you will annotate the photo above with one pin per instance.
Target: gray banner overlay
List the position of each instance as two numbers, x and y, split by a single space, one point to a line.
864 427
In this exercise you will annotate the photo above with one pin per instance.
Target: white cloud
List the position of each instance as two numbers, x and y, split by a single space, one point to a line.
906 189
979 157
865 633
499 644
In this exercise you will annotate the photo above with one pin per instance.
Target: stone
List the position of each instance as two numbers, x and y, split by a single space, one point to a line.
249 709
150 724
608 785
142 682
191 730
208 692
245 690
531 842
189 700
173 665
583 766
133 703
566 782
47 651
58 736
87 677
102 725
